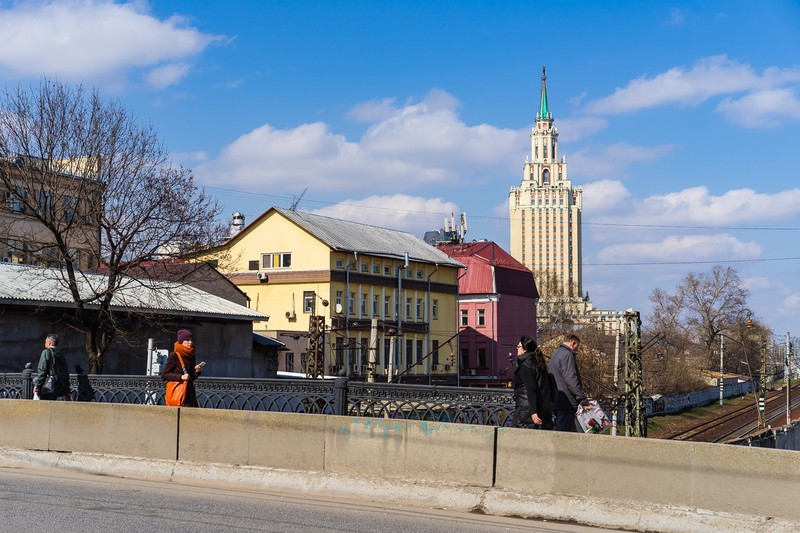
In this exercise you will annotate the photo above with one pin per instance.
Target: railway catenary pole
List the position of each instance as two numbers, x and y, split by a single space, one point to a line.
721 374
635 414
787 378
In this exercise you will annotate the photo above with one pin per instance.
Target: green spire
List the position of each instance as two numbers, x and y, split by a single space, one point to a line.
544 108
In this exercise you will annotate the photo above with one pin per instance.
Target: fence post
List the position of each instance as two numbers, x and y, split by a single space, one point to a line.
27 383
340 394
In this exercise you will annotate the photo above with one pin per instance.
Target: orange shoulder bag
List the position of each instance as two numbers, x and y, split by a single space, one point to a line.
176 390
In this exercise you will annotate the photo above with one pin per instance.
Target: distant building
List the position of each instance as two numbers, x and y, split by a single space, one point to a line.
496 306
294 266
545 213
66 193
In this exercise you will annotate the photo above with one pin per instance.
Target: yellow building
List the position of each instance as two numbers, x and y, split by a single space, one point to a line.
295 266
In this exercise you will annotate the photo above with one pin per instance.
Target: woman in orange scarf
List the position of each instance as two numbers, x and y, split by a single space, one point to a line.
180 366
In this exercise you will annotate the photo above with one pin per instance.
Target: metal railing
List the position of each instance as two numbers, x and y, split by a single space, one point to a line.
339 396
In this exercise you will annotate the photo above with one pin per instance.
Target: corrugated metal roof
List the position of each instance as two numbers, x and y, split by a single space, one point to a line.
491 269
363 238
25 284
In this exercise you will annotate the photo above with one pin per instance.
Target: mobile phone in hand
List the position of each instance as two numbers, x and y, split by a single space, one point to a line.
201 364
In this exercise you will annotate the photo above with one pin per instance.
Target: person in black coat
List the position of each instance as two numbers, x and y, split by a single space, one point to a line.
533 389
183 368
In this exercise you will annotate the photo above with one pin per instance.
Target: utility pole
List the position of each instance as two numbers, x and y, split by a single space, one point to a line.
721 374
373 350
614 411
315 360
787 379
762 381
635 410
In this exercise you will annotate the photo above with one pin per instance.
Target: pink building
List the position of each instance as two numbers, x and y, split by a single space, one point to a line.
497 305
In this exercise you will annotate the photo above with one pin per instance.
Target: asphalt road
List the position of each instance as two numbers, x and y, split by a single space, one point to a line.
36 500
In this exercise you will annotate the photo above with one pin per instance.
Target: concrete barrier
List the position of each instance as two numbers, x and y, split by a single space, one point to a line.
407 449
120 429
255 438
637 484
711 477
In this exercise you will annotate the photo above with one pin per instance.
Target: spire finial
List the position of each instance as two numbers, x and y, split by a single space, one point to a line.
544 108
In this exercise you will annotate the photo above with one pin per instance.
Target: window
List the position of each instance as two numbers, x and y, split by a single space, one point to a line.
339 352
409 355
351 303
339 263
419 309
363 304
464 357
481 357
45 203
375 304
408 309
464 317
289 362
386 307
418 356
435 309
18 200
419 274
364 267
339 295
252 265
308 301
387 352
481 317
70 208
276 260
376 269
386 270
435 352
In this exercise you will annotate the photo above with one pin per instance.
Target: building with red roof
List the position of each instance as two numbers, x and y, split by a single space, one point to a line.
497 305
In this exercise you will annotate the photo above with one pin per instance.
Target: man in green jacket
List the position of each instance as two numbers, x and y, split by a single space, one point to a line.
52 362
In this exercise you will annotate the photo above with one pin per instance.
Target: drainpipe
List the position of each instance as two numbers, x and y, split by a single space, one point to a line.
352 263
430 318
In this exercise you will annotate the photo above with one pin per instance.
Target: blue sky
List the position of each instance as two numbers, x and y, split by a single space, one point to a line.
680 120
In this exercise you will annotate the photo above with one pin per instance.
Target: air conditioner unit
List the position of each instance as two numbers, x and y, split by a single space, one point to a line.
289 314
472 371
262 276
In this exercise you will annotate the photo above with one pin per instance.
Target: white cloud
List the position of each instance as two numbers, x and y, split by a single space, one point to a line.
677 17
373 110
762 109
575 129
708 77
697 205
792 302
413 214
681 248
418 145
94 41
611 161
166 75
602 195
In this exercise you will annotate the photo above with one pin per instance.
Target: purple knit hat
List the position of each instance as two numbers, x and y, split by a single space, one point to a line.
184 335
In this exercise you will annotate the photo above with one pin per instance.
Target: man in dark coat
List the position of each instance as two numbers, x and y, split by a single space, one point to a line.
52 362
570 391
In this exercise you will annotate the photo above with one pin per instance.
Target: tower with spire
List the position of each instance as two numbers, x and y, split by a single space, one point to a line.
545 213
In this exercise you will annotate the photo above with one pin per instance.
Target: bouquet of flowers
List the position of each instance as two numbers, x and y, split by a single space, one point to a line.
592 418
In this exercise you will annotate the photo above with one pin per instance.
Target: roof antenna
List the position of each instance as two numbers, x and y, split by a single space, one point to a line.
297 199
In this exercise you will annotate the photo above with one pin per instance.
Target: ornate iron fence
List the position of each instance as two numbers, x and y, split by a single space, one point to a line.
340 396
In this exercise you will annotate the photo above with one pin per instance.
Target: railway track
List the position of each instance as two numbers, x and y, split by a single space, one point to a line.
742 421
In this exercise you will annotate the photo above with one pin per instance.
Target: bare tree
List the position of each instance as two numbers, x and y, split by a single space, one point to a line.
555 310
91 187
702 307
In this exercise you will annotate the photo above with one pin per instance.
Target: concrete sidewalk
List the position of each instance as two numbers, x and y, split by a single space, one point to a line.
589 511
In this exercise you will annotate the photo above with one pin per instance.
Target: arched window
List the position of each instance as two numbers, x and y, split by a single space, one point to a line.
546 176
